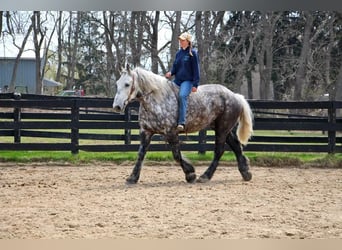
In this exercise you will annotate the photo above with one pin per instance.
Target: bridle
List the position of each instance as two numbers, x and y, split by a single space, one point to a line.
129 98
132 89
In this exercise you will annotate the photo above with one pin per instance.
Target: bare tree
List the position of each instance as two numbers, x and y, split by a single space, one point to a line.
59 46
116 38
338 86
108 23
115 29
136 33
152 41
17 59
73 47
206 24
47 46
245 69
264 53
1 14
174 21
294 51
38 38
300 82
329 48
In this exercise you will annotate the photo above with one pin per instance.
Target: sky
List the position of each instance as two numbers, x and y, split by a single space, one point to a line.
8 49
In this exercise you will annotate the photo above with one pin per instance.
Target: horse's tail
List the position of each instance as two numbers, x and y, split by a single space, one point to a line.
245 127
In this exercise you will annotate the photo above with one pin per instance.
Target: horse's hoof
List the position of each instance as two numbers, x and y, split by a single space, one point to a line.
247 176
131 180
190 178
203 179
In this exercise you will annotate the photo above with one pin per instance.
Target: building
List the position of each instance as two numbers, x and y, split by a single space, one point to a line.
25 79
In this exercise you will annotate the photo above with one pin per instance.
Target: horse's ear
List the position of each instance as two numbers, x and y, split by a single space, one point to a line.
128 68
120 67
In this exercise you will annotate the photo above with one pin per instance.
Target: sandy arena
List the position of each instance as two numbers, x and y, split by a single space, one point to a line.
93 202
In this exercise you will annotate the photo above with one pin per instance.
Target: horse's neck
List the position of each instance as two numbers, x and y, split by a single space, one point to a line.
153 104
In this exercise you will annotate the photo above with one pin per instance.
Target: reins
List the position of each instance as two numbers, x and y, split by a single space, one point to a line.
133 89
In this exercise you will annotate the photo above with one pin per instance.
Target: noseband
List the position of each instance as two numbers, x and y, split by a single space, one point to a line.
129 98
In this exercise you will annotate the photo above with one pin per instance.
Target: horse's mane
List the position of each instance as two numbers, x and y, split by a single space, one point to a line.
154 84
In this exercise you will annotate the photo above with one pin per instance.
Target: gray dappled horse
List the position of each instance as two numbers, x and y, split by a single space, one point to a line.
213 106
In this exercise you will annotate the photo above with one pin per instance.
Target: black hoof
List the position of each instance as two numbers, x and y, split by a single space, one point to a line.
131 180
190 178
247 176
203 179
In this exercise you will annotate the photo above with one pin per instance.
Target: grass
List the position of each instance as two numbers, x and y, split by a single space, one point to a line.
256 158
322 160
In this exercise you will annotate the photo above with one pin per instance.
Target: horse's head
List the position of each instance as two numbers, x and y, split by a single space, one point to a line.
127 90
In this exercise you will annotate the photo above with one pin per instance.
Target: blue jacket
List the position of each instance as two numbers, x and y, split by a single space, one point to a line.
186 67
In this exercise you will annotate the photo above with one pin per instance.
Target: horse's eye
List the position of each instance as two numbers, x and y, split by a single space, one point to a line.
126 85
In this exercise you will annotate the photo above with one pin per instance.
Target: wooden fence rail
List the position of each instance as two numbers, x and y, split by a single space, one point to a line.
73 124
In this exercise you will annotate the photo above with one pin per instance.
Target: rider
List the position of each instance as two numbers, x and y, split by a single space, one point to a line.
186 71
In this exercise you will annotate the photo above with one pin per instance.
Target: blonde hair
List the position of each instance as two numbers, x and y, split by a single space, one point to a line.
186 36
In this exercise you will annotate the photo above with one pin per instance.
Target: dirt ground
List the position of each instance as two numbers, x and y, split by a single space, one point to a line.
93 202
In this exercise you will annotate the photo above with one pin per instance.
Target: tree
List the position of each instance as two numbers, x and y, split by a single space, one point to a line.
59 45
1 14
300 81
151 43
17 59
136 35
38 38
174 22
338 86
264 53
108 23
296 54
72 47
207 24
234 47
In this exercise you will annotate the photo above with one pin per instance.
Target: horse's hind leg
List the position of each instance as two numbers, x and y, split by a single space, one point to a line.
188 169
219 150
144 143
242 160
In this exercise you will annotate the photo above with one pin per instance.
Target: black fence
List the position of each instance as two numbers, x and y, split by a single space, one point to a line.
34 122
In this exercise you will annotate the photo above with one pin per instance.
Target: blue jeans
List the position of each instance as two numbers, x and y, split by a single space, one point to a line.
184 92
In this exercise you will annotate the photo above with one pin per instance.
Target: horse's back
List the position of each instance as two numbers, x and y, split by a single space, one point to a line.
210 102
215 89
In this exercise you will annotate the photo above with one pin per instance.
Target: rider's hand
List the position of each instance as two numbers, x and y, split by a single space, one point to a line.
168 75
194 89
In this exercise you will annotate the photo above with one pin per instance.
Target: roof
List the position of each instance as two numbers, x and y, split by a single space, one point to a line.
51 83
11 58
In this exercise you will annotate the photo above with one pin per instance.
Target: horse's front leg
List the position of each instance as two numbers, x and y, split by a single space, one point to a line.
145 140
188 169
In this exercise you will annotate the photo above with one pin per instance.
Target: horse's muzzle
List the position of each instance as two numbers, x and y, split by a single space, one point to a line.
120 106
117 109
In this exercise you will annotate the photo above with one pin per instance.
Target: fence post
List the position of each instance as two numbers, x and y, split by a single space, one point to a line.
75 118
17 119
128 131
331 131
202 135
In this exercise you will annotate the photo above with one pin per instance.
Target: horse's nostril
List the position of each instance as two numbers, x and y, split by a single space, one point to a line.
117 108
